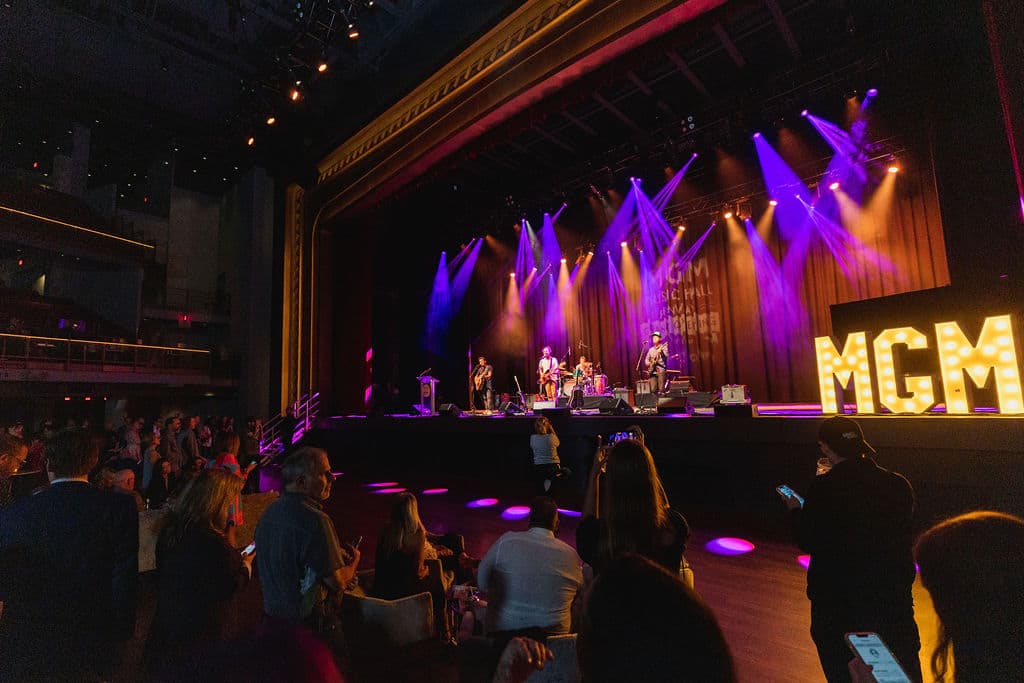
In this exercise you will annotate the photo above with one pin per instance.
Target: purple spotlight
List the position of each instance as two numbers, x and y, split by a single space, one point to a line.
570 513
515 512
392 489
757 135
804 560
482 503
433 492
381 484
727 545
804 112
872 92
337 474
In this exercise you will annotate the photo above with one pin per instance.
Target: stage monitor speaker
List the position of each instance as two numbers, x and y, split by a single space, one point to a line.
554 413
542 405
623 393
702 399
614 406
679 387
734 410
449 410
647 400
562 402
510 408
671 405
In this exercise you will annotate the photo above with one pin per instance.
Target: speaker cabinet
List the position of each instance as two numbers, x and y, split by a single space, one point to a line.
449 410
614 406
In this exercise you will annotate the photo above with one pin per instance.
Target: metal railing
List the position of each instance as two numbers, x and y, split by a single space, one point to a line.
306 409
48 353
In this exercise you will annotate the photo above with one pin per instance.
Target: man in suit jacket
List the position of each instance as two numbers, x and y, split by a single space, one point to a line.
68 572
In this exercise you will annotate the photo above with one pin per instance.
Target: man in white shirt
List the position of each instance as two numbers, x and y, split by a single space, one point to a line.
547 374
531 578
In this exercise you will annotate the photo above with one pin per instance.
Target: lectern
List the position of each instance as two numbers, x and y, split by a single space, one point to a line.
428 395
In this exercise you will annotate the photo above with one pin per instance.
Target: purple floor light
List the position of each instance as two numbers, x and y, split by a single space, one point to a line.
392 489
727 545
570 513
515 512
482 503
433 492
381 484
804 560
337 474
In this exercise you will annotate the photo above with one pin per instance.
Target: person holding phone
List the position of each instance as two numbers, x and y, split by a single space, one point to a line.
856 524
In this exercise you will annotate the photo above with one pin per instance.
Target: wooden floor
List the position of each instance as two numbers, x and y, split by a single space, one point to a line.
758 597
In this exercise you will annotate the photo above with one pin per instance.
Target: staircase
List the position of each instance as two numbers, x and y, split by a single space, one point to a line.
273 442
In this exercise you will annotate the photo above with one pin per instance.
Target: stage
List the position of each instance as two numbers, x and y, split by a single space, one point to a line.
954 463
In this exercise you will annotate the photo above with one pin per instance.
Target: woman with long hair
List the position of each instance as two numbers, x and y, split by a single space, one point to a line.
972 567
401 550
198 572
227 459
633 515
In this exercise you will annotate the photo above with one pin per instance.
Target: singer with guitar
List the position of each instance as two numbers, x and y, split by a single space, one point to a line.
483 390
656 362
547 374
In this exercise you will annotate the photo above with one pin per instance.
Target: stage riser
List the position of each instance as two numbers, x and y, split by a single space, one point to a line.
955 464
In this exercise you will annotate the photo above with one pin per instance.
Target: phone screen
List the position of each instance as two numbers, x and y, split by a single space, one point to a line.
871 650
248 550
789 493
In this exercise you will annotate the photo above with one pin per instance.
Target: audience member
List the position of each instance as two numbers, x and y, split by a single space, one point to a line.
162 485
638 518
642 623
544 443
227 447
169 446
856 524
402 547
13 453
36 460
531 578
150 456
188 442
131 440
68 614
198 571
287 428
520 659
16 428
124 482
972 568
303 568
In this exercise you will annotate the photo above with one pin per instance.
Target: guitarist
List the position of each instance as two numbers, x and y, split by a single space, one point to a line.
483 390
547 374
655 361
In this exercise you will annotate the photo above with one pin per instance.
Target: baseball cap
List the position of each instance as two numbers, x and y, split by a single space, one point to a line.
656 334
844 436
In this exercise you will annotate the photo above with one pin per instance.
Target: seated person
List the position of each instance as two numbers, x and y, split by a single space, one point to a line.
162 485
402 548
642 623
531 578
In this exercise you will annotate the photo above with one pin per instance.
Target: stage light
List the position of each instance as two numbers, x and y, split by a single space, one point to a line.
682 228
728 546
728 214
995 350
623 245
67 398
834 186
433 492
590 253
921 392
251 141
353 32
894 169
563 261
21 262
872 92
271 120
515 512
321 67
35 164
757 135
381 484
294 95
804 113
482 503
773 202
511 274
394 489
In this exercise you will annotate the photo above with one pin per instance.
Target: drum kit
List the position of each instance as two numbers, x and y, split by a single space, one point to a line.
589 379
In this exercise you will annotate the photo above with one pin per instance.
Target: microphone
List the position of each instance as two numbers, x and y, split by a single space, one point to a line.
646 343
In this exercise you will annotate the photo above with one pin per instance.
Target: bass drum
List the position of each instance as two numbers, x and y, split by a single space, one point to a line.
567 388
600 384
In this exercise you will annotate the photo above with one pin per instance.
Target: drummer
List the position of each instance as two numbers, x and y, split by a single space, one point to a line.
584 369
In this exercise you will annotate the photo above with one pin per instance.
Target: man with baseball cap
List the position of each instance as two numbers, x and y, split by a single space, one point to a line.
856 524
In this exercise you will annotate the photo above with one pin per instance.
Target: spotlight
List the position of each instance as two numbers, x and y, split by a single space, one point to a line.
511 274
834 186
271 120
563 261
682 228
294 95
872 92
757 135
251 141
623 245
353 32
773 202
321 67
728 214
535 269
803 113
894 169
590 253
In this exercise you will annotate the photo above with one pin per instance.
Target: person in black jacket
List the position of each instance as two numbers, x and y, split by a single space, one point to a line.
856 524
198 572
65 616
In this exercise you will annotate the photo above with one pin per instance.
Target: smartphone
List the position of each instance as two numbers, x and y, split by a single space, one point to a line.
249 549
359 542
870 649
785 490
619 436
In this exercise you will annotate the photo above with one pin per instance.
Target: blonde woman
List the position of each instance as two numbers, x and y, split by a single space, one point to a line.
198 571
227 459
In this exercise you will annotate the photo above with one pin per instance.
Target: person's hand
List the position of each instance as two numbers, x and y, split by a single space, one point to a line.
860 672
600 460
791 503
247 560
355 556
520 658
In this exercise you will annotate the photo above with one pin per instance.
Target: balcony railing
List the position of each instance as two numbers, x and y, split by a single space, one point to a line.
50 353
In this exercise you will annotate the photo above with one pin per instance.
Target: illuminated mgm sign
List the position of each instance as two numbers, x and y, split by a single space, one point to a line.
993 352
